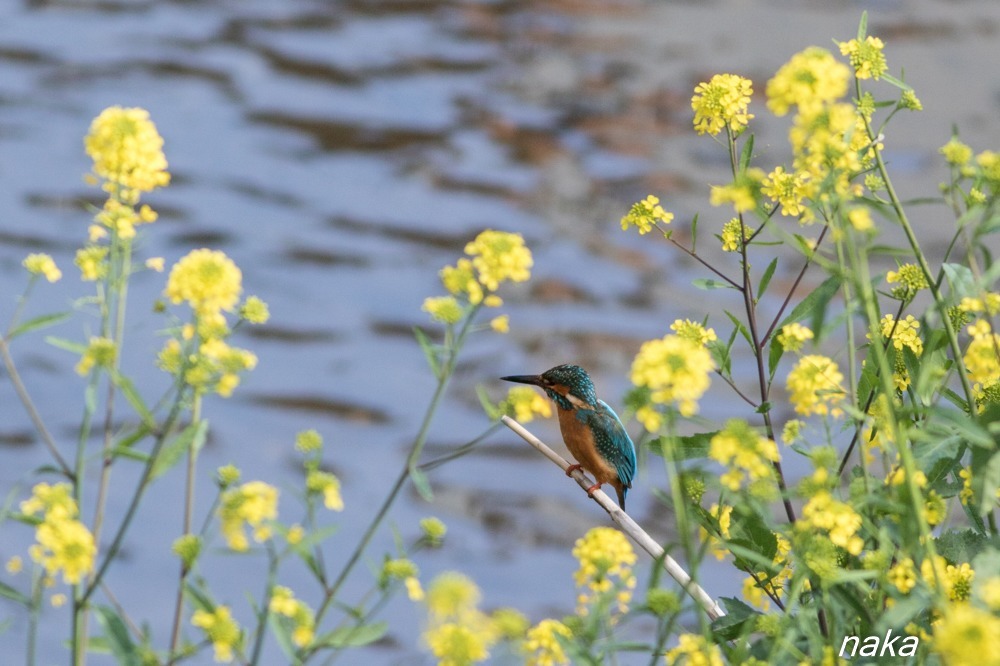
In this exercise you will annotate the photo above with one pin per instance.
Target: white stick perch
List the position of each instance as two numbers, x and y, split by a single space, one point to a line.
629 526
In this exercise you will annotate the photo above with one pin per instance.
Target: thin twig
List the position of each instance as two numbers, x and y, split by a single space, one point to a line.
626 523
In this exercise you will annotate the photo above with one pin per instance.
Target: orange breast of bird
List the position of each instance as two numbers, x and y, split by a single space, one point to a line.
580 442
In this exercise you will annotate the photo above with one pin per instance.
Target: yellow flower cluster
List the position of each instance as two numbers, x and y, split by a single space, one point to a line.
254 310
810 79
405 570
433 530
327 485
758 591
989 303
216 366
790 190
64 544
308 441
121 219
100 353
675 370
742 193
208 280
722 103
40 263
866 57
92 262
606 558
221 629
909 280
814 386
827 144
524 403
694 650
255 504
967 636
646 214
724 515
747 456
493 257
793 336
127 151
837 519
903 575
731 232
693 331
284 603
956 581
980 358
543 645
459 633
904 333
956 153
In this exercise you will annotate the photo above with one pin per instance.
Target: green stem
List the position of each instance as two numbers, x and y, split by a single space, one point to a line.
175 632
265 607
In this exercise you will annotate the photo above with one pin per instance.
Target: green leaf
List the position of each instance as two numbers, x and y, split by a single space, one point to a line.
961 279
709 284
282 633
421 483
892 80
690 447
863 26
776 351
118 637
429 352
740 327
44 321
694 234
8 592
815 301
353 636
67 345
131 394
746 154
487 403
959 546
192 438
738 620
765 279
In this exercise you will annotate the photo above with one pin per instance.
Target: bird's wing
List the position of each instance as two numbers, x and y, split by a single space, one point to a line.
613 443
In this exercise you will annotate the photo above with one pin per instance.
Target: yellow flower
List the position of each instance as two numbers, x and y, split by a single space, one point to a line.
500 324
747 456
956 153
720 103
988 303
810 79
989 592
981 359
675 370
308 441
499 256
58 600
645 214
400 568
92 262
524 403
187 547
413 589
731 235
910 280
255 311
606 558
650 419
155 264
457 645
725 517
694 650
543 644
866 57
42 264
909 101
460 279
510 623
956 580
14 565
967 636
208 280
328 485
693 331
64 544
295 535
814 385
46 499
127 152
838 519
790 190
904 334
433 529
860 219
451 595
903 575
445 309
101 353
742 193
228 475
221 629
284 603
255 504
793 336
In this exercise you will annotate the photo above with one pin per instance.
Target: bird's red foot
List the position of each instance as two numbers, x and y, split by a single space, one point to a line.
590 490
572 468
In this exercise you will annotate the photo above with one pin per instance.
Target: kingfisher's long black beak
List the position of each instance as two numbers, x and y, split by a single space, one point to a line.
536 380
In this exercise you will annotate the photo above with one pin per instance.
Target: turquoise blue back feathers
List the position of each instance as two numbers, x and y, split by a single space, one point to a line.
593 432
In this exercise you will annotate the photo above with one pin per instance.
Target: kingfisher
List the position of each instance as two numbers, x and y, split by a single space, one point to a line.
592 431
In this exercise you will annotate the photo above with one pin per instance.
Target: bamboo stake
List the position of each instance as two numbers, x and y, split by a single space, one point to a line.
625 522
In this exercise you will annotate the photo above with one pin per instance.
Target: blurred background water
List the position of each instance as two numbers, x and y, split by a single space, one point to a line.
341 152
